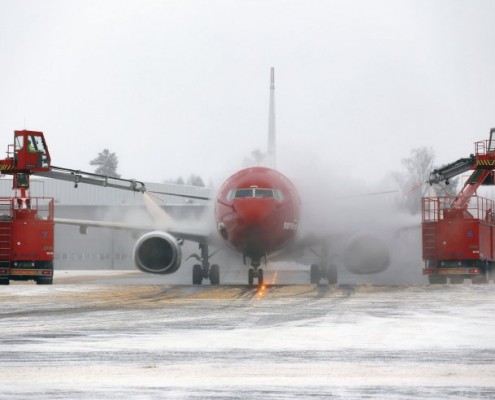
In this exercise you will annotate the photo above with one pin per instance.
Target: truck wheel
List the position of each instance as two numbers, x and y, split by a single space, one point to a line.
437 280
456 280
4 281
45 281
480 279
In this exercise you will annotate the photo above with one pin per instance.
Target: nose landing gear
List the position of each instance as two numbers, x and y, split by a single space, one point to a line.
255 272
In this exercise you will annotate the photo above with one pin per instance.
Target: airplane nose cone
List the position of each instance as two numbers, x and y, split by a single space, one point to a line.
254 211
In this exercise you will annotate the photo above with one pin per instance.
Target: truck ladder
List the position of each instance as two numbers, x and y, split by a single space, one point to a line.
5 238
429 240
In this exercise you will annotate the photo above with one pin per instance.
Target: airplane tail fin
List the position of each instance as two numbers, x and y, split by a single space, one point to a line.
272 156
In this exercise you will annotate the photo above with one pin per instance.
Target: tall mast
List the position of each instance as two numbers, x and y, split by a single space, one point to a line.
272 156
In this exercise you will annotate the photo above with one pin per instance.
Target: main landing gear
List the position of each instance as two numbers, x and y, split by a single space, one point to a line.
329 272
205 271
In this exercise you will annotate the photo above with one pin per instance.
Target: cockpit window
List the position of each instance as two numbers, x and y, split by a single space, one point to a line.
255 192
278 195
242 193
263 193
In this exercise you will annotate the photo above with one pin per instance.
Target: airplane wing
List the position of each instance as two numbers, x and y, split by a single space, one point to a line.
161 221
191 234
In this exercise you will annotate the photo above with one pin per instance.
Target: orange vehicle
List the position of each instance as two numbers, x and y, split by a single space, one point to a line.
459 232
26 223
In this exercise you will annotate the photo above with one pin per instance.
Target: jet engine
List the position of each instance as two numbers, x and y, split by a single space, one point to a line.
157 253
366 254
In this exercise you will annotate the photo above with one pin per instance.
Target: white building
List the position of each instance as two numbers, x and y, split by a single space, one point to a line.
104 248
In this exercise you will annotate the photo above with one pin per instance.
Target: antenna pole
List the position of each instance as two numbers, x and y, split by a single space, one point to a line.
272 157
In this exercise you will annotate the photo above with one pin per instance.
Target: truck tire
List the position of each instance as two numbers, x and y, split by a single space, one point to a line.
479 279
4 281
437 280
45 280
456 280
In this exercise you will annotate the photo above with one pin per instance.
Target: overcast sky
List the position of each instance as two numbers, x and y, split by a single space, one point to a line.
182 87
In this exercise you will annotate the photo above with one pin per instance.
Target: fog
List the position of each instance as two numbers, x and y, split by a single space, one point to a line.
341 209
181 87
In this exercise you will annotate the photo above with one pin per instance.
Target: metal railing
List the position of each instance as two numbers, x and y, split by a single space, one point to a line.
435 208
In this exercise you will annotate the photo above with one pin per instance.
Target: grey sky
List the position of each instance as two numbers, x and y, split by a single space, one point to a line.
181 87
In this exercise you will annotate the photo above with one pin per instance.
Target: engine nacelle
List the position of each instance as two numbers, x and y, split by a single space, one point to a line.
157 253
366 254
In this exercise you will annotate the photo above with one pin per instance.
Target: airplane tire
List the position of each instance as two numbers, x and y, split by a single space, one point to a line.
215 274
260 277
250 276
332 275
197 276
315 274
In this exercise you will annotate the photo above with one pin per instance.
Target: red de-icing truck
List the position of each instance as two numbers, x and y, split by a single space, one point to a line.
26 239
459 232
27 223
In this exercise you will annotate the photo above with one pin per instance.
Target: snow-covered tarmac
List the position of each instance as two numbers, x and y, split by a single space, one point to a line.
95 336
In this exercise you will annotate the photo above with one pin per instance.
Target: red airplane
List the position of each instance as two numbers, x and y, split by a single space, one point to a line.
257 213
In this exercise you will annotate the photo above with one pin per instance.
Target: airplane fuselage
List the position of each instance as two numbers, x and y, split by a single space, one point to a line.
257 212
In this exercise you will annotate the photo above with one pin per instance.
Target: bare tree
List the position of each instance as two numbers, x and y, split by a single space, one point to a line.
106 163
193 180
413 182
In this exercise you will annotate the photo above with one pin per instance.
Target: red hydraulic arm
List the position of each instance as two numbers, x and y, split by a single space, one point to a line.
470 187
482 163
27 223
29 155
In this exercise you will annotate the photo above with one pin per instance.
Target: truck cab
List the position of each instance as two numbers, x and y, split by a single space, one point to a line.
30 151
